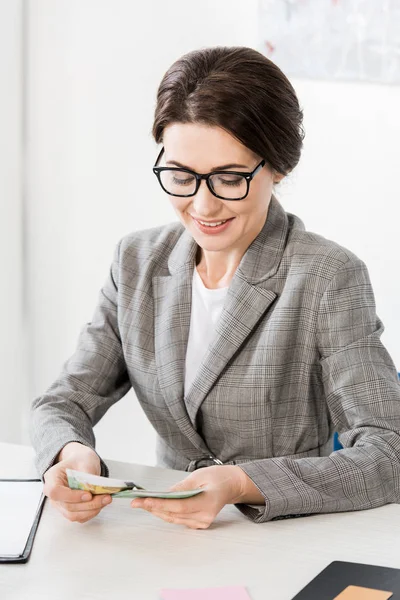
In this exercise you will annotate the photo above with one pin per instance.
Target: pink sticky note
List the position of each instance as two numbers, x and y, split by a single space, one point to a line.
220 593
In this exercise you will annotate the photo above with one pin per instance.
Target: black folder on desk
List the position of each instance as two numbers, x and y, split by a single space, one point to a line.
15 488
338 575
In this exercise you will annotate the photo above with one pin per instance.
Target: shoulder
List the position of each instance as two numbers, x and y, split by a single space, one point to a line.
317 253
149 246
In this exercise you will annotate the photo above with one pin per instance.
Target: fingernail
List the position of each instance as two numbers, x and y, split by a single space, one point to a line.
106 500
86 497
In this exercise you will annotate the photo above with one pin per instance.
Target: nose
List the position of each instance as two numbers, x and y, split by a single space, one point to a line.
205 203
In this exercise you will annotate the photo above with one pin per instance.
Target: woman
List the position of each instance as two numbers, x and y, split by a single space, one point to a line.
247 339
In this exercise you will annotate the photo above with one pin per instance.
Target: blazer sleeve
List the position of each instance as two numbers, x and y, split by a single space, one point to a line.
92 380
362 392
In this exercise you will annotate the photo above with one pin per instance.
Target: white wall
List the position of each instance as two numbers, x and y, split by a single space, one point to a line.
94 70
12 325
347 185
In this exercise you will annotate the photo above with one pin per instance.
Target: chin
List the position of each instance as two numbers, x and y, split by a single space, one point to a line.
213 245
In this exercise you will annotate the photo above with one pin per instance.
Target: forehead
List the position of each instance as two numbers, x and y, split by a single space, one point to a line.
203 146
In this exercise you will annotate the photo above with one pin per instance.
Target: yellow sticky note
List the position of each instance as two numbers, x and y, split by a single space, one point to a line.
354 592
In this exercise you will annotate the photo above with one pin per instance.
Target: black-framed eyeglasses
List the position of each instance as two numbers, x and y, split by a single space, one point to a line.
226 185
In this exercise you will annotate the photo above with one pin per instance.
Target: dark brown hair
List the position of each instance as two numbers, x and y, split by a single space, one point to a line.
239 90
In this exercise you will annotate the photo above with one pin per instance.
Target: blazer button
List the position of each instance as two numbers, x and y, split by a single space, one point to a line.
196 464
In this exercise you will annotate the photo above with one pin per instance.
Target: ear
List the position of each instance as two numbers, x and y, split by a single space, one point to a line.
278 177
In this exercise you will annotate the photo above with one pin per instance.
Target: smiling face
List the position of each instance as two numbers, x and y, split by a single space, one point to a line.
204 149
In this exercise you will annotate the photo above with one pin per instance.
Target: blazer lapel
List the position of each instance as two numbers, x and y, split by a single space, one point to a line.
249 297
244 306
172 306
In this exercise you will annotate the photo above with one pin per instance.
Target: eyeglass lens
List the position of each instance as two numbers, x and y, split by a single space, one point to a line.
181 183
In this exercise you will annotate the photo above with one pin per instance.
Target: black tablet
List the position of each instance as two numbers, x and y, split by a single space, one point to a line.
339 575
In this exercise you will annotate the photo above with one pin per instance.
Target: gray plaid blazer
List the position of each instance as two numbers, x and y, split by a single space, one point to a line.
296 355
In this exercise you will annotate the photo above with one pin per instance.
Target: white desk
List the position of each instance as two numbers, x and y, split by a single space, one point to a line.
128 553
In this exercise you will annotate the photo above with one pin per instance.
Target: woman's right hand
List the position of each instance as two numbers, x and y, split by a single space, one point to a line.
75 505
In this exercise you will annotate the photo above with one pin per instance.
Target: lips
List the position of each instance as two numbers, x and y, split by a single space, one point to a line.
212 224
212 227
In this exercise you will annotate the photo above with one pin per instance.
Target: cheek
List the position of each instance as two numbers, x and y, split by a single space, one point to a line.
180 205
260 195
256 206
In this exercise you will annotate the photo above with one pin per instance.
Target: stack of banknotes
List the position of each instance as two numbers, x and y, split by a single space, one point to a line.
119 488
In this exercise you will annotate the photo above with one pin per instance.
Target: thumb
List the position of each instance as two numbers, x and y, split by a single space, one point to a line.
189 483
56 486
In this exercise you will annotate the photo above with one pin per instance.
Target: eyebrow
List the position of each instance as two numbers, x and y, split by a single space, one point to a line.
219 168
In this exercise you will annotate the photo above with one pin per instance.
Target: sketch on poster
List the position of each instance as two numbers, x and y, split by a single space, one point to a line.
357 40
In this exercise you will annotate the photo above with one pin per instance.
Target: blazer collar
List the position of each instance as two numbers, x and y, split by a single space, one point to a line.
262 258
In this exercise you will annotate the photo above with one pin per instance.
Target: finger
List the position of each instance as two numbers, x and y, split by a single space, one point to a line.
200 516
61 493
98 502
192 523
156 510
187 484
187 506
183 486
78 517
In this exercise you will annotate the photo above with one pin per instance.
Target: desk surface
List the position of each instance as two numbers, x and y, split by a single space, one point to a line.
129 553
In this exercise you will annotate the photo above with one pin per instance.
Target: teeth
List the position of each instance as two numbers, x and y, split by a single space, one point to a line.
213 224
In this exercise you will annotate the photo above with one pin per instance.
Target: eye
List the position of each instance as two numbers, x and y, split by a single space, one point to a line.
182 179
229 180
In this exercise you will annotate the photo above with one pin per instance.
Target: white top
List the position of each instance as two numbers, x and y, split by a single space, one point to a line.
206 309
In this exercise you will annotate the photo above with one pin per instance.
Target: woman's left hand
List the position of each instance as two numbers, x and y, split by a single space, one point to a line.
224 484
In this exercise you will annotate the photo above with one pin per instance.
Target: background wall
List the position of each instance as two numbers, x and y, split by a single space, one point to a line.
12 326
94 68
94 73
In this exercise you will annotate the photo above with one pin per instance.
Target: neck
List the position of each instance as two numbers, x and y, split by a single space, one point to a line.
216 269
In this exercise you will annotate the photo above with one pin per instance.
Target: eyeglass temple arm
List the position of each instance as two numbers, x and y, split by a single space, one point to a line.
159 156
